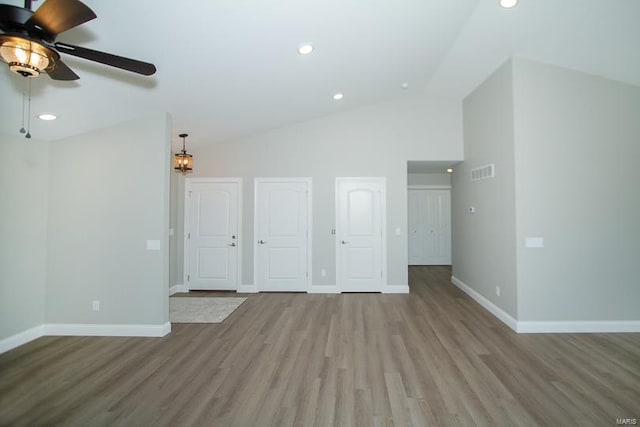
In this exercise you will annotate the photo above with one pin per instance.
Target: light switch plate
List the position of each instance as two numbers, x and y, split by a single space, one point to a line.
534 242
153 245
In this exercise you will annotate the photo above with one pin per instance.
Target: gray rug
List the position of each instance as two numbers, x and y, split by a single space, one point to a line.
202 309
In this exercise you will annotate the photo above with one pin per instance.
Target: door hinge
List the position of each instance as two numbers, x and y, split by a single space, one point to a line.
307 274
381 274
189 193
188 236
188 278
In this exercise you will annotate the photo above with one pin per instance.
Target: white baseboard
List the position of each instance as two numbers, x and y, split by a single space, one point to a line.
247 289
60 329
488 305
98 330
20 338
395 289
323 289
549 327
579 327
178 288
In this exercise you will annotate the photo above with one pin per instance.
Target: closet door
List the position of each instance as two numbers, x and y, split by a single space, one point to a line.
429 227
416 237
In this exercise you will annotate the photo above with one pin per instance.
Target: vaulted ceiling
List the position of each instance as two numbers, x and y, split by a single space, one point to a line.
228 68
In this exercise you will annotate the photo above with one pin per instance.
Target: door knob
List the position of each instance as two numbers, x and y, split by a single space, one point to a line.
344 243
262 242
231 244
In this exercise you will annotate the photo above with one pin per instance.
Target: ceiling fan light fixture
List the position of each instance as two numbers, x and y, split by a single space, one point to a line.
25 57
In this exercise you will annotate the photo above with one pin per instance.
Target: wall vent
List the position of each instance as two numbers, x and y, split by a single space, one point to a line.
483 172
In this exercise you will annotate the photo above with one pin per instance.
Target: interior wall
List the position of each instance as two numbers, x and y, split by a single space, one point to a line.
577 173
429 179
374 141
23 233
108 193
174 189
483 243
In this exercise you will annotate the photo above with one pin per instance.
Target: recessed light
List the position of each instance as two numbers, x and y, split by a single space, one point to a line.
338 96
305 49
508 3
47 116
449 170
404 86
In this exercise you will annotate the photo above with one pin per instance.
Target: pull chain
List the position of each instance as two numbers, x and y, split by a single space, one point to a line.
28 135
24 95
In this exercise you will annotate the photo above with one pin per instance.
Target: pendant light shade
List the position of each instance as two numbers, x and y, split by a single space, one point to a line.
183 161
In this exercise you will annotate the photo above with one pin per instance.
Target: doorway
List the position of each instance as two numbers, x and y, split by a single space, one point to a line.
429 227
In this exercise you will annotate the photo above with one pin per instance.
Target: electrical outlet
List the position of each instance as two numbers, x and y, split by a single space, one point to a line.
498 290
96 305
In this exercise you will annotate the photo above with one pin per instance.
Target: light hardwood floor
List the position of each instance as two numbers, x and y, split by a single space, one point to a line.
433 357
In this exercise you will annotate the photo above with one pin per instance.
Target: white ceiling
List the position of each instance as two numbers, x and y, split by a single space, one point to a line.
228 68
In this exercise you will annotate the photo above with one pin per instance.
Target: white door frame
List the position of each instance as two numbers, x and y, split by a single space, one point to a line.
187 215
309 182
383 220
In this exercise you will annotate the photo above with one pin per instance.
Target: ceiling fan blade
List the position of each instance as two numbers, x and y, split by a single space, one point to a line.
56 16
62 72
123 63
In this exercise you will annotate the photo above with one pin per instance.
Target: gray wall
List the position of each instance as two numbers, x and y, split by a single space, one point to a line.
108 195
175 223
566 148
577 180
23 233
429 179
483 243
373 141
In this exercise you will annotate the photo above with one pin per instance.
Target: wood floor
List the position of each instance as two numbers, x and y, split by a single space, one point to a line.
433 357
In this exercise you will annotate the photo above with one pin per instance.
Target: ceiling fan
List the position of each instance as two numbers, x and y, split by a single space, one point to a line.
28 40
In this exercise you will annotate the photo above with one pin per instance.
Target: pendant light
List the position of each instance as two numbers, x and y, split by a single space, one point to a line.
183 161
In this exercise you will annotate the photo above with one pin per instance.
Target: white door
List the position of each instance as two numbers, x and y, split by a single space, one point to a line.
416 211
429 227
281 234
212 233
360 234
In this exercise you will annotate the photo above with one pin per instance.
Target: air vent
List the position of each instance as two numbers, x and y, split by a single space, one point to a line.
483 172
